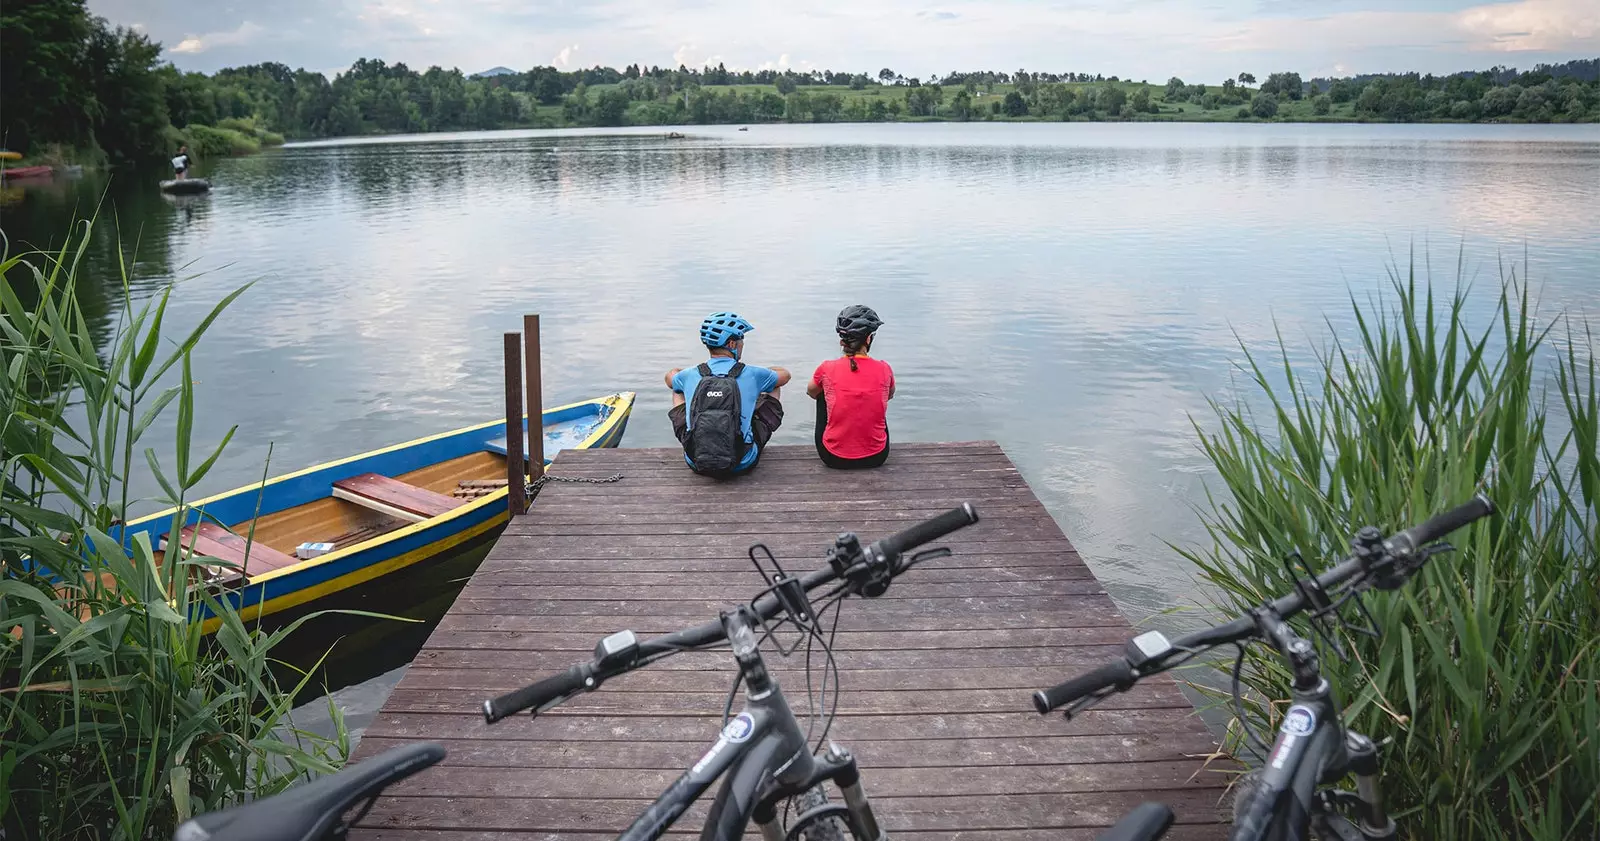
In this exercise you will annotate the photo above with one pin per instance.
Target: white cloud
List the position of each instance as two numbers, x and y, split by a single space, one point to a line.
1522 25
244 34
1199 39
1534 25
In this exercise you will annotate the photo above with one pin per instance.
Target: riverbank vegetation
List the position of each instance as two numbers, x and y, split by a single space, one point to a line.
94 86
1487 673
117 717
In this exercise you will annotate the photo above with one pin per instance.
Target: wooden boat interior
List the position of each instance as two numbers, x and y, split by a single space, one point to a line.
363 507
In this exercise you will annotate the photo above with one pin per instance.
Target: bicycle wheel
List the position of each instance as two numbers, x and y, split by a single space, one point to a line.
821 820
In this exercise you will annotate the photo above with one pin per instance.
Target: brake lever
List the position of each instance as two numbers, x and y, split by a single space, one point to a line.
1085 703
924 555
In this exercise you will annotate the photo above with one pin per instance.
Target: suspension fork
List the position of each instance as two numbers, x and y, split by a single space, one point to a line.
838 766
1372 818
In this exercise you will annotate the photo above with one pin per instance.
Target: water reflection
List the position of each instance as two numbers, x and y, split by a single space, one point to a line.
1074 291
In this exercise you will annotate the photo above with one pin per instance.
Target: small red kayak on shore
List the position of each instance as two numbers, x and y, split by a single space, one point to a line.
29 171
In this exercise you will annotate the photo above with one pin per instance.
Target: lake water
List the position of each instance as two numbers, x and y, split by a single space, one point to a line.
1074 291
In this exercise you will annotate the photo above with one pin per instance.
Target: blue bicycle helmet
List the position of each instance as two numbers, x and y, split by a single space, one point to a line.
720 328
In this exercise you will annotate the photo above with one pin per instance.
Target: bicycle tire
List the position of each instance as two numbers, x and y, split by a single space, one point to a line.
822 821
1245 791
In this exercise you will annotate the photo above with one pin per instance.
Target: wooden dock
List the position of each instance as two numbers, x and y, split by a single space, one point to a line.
936 674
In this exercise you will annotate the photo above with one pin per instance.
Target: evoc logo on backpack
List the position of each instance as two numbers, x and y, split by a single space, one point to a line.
715 443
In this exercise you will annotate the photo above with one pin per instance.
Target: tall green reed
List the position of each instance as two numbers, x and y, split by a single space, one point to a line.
1487 675
118 718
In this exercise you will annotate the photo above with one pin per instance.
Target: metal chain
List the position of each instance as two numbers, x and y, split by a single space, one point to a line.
544 479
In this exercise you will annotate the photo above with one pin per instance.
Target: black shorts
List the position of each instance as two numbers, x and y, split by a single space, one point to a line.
838 463
767 418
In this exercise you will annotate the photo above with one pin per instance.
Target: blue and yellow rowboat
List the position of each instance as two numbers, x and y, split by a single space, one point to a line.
383 511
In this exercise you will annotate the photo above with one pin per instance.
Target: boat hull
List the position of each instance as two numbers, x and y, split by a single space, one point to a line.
278 595
185 186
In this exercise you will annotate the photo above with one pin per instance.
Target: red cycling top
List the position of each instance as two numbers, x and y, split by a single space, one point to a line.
858 404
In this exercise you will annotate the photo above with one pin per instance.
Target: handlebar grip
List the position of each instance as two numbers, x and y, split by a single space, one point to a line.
928 531
538 694
1116 673
1439 525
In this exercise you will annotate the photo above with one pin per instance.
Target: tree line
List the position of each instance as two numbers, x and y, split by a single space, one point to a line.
75 79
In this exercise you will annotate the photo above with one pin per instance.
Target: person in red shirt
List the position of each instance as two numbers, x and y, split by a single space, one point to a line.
852 394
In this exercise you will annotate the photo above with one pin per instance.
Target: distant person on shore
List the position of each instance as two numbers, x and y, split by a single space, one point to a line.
180 164
724 411
853 394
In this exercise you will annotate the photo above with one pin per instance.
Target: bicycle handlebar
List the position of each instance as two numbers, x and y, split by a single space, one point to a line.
1121 675
586 677
1439 525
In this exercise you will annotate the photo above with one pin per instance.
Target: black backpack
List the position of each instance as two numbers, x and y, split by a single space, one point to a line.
715 444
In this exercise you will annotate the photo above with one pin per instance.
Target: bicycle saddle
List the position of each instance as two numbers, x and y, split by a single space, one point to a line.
1147 822
310 812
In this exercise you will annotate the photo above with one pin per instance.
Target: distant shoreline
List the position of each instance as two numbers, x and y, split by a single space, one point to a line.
661 131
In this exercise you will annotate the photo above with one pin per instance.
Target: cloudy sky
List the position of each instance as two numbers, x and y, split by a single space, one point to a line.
1154 39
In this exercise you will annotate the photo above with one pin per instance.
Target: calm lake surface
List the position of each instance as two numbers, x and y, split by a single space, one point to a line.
1075 291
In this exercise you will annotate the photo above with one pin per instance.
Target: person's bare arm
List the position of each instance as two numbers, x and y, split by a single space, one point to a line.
783 375
670 375
891 391
813 389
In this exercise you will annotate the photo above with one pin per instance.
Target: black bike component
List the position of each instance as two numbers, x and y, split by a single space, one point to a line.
1147 822
1408 541
1116 674
1312 748
791 591
543 695
312 811
616 651
927 531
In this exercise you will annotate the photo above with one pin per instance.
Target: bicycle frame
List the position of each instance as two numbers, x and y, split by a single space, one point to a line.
1312 749
763 757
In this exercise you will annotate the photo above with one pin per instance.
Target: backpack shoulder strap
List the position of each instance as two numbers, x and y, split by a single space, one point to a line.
705 370
735 371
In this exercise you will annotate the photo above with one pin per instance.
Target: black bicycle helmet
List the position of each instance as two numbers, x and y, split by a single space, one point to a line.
857 322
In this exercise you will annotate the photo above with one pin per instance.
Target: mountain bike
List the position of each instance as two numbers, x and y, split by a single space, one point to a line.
765 760
1291 795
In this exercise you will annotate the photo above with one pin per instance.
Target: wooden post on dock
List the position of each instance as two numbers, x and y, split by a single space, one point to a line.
535 393
516 492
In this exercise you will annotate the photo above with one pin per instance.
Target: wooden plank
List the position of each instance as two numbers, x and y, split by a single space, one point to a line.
214 540
933 677
394 497
1021 681
1129 729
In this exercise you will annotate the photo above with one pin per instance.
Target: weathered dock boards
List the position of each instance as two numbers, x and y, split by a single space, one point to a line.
936 674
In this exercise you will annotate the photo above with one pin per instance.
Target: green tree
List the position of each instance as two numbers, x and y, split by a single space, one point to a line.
1343 90
859 82
1322 105
1110 99
1141 101
1014 105
1247 79
886 75
1264 106
42 46
611 107
1175 89
961 105
1500 102
131 103
785 83
1287 85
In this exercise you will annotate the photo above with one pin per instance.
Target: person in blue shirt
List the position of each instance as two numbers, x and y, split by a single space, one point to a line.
761 412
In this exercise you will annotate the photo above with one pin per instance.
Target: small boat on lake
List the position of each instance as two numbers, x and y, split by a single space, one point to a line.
323 531
185 185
